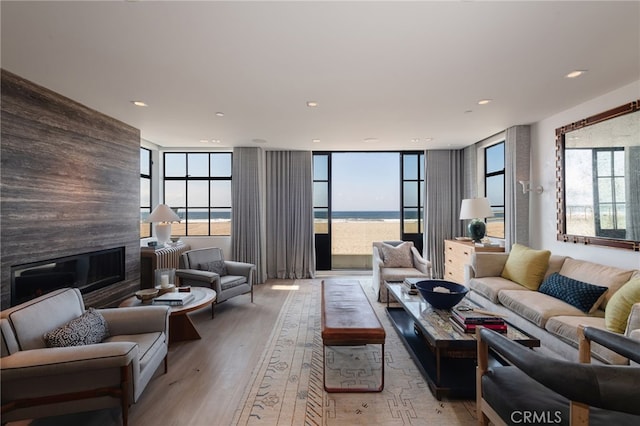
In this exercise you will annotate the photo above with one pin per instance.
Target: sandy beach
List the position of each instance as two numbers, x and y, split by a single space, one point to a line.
348 237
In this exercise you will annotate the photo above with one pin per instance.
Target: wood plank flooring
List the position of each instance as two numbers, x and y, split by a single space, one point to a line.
207 377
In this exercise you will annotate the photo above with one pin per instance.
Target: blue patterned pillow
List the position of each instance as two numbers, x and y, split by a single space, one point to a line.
584 296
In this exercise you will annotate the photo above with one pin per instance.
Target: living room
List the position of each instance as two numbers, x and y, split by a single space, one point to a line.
56 215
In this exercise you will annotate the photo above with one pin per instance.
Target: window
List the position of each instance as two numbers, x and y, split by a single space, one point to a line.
145 192
197 185
413 197
494 188
609 192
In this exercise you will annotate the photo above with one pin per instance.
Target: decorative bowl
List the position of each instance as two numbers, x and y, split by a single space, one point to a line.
435 293
175 239
146 295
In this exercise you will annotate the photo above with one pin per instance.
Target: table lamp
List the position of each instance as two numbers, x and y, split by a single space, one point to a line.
162 216
476 209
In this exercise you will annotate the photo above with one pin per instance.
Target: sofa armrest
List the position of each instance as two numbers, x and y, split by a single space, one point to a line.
487 264
64 361
420 263
137 319
196 277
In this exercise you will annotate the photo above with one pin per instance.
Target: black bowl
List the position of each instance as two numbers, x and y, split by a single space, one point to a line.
441 300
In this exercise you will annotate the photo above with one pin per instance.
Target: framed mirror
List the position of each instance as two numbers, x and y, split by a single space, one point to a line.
598 179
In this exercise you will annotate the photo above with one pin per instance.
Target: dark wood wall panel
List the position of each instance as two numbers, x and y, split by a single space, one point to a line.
70 183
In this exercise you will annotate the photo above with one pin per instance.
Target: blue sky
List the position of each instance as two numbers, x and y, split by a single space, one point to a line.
366 181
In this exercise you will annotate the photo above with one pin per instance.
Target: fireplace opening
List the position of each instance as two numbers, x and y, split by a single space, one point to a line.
87 271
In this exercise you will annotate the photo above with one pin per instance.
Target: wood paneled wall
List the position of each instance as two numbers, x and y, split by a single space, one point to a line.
69 184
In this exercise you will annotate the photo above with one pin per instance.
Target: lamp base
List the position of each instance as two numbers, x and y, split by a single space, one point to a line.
477 229
163 232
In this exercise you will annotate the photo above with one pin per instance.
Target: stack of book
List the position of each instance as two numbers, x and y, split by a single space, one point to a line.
467 321
174 299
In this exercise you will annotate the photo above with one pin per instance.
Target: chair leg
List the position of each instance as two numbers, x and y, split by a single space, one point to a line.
124 393
213 310
166 364
251 294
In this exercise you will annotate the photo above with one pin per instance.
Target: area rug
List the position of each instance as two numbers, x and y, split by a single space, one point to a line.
286 386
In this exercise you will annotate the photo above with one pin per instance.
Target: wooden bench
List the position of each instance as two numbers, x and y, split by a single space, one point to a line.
348 319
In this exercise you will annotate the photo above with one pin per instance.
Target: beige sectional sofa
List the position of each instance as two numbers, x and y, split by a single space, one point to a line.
550 319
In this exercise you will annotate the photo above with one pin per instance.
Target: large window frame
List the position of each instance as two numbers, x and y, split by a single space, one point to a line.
189 178
494 187
146 202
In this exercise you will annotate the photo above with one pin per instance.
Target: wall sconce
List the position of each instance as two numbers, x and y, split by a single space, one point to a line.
526 187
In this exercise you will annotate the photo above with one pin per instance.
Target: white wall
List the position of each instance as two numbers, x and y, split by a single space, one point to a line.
542 228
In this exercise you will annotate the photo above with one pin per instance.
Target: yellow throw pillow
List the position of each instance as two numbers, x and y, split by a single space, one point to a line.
619 306
526 266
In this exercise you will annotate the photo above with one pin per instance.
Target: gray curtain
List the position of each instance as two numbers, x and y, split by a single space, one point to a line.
632 159
470 186
517 168
247 215
443 184
291 252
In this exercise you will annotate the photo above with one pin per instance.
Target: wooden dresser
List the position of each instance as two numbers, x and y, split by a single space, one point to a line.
457 254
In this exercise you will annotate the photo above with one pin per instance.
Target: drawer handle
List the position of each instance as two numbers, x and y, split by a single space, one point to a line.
466 253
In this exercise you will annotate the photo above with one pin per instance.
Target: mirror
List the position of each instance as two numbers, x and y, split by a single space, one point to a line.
598 179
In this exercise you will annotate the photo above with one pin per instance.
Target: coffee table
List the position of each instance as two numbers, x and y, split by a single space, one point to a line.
446 357
181 327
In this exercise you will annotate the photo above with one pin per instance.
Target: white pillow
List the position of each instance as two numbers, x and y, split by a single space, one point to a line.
397 257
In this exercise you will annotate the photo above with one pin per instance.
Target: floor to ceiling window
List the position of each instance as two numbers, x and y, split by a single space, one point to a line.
494 166
362 197
145 192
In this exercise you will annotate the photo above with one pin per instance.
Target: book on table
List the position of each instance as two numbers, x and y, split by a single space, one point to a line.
174 298
471 328
471 317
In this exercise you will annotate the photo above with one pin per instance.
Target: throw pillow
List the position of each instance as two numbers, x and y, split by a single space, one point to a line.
397 257
217 266
89 328
619 306
584 296
526 266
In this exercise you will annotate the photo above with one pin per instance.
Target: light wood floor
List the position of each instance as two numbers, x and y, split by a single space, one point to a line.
207 377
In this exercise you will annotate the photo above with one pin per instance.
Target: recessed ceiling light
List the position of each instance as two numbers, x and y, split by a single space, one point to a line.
575 73
139 103
220 114
315 140
371 140
428 139
258 140
469 111
204 140
312 104
215 140
415 140
484 101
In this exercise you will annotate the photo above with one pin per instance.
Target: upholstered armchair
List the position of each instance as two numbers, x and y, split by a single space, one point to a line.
538 389
207 268
116 353
406 263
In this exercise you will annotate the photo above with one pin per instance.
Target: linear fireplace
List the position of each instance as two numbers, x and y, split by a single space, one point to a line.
87 271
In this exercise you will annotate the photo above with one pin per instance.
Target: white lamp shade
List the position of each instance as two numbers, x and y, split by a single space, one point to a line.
475 208
163 213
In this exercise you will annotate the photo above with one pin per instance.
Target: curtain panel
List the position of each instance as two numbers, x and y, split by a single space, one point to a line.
247 214
444 189
289 190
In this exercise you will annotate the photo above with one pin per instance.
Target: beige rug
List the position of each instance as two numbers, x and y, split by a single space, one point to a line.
287 389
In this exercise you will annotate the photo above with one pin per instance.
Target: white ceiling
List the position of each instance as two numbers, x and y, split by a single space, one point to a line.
393 71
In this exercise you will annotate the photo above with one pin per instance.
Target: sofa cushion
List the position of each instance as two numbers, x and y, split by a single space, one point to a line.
398 256
230 281
490 287
566 327
584 296
217 266
535 306
555 264
399 274
618 309
526 266
594 273
88 329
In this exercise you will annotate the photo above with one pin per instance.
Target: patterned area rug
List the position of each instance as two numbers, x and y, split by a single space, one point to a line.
287 388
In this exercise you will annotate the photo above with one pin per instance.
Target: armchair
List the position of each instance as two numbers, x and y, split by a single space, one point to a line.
538 389
41 381
415 267
207 268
